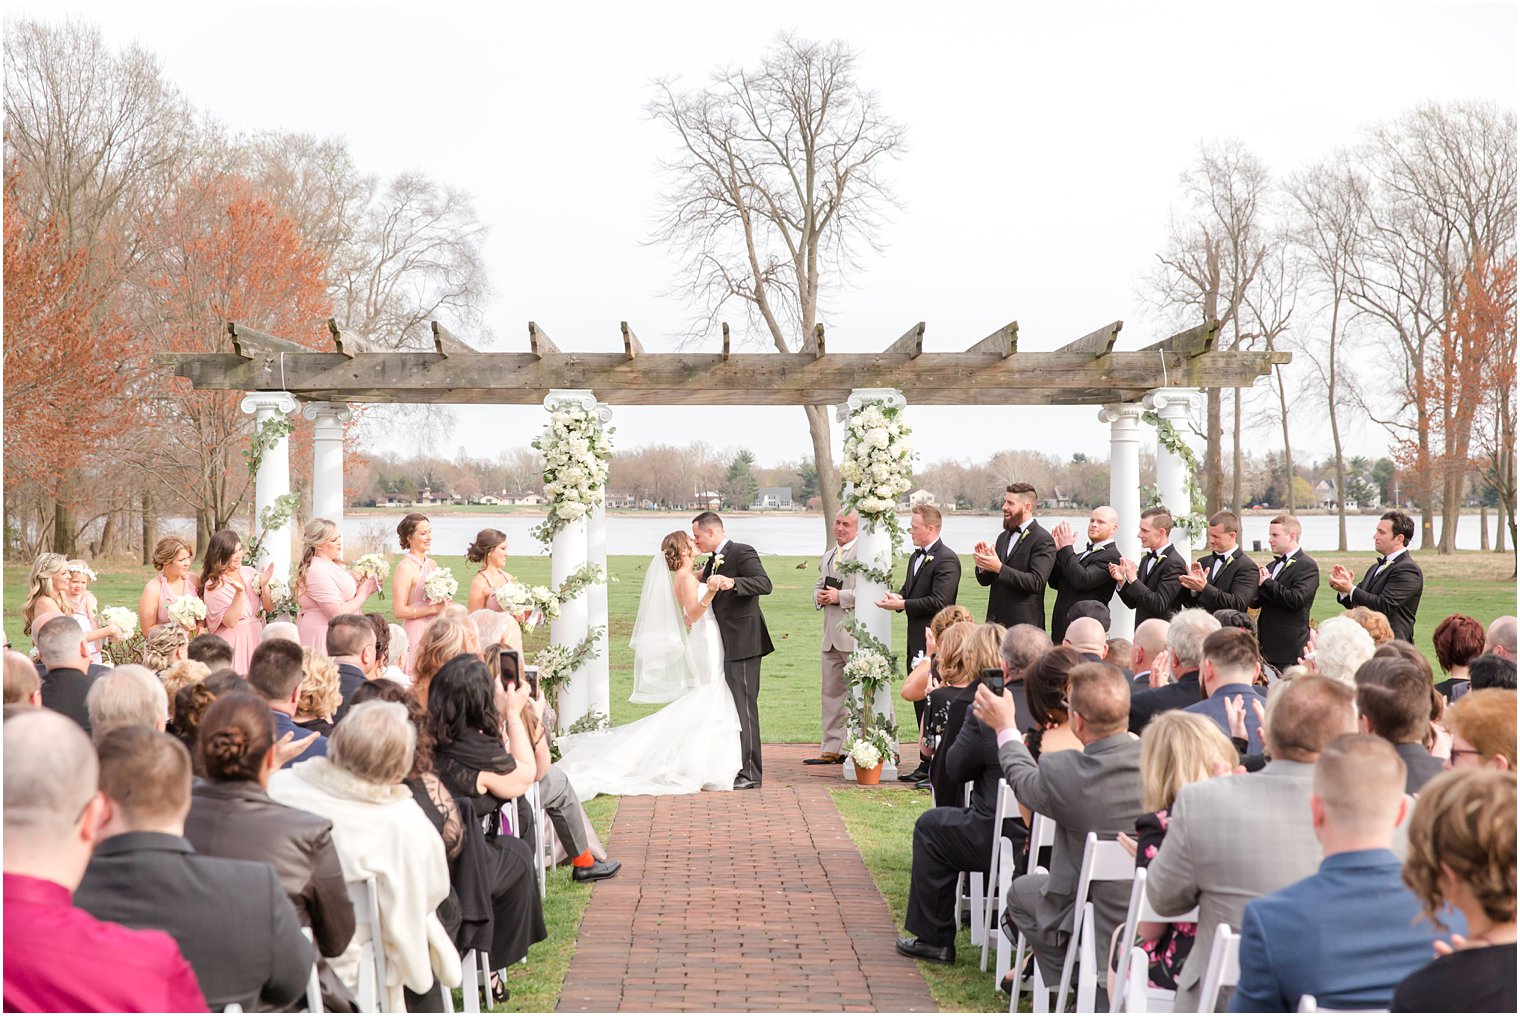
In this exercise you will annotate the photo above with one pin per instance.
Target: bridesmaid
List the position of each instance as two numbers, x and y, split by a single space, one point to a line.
171 558
490 551
324 588
49 595
412 609
234 594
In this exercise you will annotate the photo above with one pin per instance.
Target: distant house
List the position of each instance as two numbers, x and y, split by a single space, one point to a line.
1057 499
622 500
921 496
778 498
488 499
526 497
393 501
1324 495
648 505
707 500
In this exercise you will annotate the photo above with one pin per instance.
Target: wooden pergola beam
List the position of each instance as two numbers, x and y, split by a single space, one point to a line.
347 343
1194 341
249 343
1097 343
540 343
445 343
631 347
1004 342
910 344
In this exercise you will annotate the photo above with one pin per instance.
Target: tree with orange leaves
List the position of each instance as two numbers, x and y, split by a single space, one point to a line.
1488 312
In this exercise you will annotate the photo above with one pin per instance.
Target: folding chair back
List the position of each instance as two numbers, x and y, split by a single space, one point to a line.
998 872
1102 861
313 983
372 990
1223 970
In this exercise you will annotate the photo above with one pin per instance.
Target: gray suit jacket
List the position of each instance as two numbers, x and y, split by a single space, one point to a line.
1096 790
834 614
1228 841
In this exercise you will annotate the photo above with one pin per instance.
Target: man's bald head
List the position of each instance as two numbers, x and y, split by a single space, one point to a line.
1150 639
1086 635
51 775
1501 637
21 681
1102 523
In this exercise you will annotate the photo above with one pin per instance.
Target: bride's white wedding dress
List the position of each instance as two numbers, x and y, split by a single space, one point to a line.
690 745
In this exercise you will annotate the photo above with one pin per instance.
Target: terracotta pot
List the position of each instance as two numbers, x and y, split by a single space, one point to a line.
868 777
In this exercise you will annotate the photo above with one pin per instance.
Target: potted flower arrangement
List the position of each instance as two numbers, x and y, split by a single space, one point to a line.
869 751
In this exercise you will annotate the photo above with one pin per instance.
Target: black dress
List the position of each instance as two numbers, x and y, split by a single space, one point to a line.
1481 979
944 715
518 915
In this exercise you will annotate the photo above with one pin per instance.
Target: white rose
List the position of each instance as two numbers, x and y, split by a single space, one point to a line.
878 438
884 491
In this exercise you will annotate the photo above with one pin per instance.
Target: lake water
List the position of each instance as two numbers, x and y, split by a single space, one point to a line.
804 535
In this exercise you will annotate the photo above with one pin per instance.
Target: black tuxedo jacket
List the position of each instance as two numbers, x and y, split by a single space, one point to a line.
1146 705
1076 578
1234 588
1017 594
1156 592
1285 602
1394 592
741 626
928 591
973 758
64 691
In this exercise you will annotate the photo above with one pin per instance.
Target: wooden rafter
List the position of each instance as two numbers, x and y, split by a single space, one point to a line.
1098 343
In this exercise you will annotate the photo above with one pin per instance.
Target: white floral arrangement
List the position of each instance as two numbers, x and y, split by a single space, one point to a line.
187 611
122 617
440 586
864 754
282 593
514 598
878 462
577 451
867 668
546 604
372 566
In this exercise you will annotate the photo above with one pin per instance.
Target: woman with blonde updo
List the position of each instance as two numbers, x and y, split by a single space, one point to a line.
444 639
171 559
182 675
413 609
320 692
490 552
165 646
323 587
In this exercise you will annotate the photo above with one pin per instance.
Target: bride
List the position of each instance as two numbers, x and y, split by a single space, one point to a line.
693 743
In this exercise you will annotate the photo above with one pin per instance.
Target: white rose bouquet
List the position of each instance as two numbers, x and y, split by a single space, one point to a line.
878 462
440 586
577 451
187 611
514 598
372 566
545 603
123 618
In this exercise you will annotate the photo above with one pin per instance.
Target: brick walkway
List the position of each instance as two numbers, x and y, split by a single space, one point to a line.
740 901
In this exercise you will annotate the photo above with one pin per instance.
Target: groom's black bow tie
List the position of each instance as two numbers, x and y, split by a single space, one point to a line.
709 565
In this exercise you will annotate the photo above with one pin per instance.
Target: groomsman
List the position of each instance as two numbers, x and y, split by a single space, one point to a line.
1082 574
933 582
1394 584
1018 568
1154 586
1285 595
1225 579
835 596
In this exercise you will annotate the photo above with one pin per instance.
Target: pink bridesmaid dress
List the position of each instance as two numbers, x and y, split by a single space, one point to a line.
328 586
243 636
416 627
167 596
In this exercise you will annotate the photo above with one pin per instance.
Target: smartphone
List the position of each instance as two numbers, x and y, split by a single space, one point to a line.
532 673
511 667
992 677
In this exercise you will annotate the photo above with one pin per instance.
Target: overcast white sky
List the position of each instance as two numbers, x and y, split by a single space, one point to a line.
1046 143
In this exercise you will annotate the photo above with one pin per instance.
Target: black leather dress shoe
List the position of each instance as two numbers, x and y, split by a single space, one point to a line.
596 870
911 946
921 773
746 784
828 758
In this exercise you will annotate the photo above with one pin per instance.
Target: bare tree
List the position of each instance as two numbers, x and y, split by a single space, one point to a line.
1213 253
776 191
1268 310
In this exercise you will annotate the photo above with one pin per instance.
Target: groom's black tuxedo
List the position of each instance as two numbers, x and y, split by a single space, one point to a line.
741 627
1017 595
927 591
1157 586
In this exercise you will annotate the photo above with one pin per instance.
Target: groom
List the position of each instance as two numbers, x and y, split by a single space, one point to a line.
734 570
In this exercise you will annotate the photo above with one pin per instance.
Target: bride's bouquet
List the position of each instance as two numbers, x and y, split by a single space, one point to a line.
440 586
187 611
123 618
372 566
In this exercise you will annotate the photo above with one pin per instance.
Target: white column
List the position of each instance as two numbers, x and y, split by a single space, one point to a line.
1175 406
327 459
596 553
872 546
1123 421
567 556
272 481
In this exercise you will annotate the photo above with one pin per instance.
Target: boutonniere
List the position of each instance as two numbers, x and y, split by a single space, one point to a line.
717 561
928 559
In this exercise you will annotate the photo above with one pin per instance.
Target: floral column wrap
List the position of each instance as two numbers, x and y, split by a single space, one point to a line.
876 470
576 450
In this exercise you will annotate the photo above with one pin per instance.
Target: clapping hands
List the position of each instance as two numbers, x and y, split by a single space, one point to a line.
1063 535
985 557
1125 571
891 601
1342 578
1194 578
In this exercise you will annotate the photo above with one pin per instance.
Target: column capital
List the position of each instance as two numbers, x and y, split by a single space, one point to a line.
327 412
1173 402
581 398
859 397
603 413
1121 413
269 402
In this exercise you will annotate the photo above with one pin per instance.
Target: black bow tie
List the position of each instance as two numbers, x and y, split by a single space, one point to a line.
1151 553
1279 559
1089 547
1381 561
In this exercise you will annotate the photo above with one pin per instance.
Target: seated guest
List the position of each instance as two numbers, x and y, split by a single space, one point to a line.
281 630
165 645
188 710
1149 643
442 640
212 650
946 707
468 710
22 684
69 673
427 789
1231 663
321 692
1462 853
226 681
1341 646
1500 640
396 653
1088 637
1490 671
1458 639
275 673
230 918
1184 648
382 630
1374 622
1482 729
1242 620
127 696
1235 838
1349 933
924 674
947 671
1121 653
53 817
1095 790
1393 702
1047 684
351 645
233 816
185 672
380 833
1023 644
1176 749
496 628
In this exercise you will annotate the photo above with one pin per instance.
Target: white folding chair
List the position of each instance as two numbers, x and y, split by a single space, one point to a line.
1129 998
1223 970
313 983
1042 833
476 984
973 902
1310 1004
372 988
544 849
997 870
1102 861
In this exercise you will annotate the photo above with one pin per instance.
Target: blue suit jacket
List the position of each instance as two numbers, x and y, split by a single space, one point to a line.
283 725
1346 935
1213 708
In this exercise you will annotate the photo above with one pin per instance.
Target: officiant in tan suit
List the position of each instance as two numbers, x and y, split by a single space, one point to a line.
835 596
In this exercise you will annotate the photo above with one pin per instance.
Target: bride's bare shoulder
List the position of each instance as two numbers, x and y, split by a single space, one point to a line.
685 585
